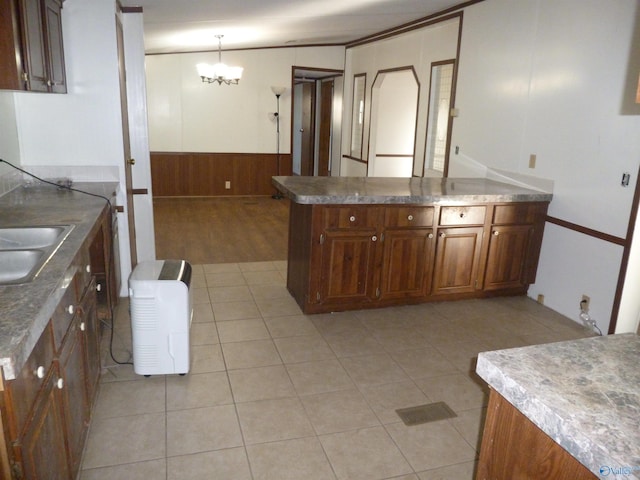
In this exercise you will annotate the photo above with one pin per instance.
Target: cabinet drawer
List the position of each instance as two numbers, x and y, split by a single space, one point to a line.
517 213
63 315
25 387
462 215
408 217
350 217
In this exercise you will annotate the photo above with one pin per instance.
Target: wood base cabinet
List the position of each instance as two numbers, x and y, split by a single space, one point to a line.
345 257
514 448
46 409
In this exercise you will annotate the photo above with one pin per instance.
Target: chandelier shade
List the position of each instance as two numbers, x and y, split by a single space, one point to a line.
219 72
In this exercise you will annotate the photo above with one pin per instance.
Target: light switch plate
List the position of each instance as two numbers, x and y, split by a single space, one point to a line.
532 160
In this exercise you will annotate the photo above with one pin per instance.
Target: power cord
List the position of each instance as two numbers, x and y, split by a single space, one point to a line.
70 188
586 318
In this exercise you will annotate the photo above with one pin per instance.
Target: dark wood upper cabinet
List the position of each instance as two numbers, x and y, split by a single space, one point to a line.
31 46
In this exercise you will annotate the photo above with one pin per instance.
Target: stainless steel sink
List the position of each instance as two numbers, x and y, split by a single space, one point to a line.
25 250
13 238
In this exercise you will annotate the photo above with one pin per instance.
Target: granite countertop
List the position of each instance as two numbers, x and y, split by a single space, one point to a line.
25 309
415 190
584 394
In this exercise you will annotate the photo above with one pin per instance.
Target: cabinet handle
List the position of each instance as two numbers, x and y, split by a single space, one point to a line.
60 383
374 238
39 372
442 235
352 218
430 235
496 233
88 268
70 309
409 217
82 327
461 214
98 287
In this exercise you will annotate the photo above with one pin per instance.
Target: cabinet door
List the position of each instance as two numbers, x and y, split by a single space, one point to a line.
33 39
42 448
90 329
74 393
457 260
508 248
347 266
54 48
10 47
406 264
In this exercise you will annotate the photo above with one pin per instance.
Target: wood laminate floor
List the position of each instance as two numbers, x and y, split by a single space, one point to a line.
221 230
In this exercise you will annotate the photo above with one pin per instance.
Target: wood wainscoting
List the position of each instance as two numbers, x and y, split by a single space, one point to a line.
182 174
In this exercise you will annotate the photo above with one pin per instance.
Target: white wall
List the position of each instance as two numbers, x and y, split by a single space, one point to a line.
545 77
417 48
186 115
9 145
80 133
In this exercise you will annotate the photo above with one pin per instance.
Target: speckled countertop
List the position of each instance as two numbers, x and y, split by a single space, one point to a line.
584 394
416 190
25 309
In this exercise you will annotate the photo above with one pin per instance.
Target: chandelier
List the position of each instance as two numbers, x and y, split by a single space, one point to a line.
219 72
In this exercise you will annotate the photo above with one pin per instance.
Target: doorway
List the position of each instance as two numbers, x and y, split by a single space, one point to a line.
317 116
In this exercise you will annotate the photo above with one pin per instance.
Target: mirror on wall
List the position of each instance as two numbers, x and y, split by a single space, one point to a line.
394 110
439 119
357 115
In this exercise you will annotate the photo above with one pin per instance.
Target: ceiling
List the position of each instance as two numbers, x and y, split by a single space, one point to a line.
172 26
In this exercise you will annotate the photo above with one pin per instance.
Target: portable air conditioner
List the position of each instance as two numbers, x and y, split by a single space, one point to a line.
161 312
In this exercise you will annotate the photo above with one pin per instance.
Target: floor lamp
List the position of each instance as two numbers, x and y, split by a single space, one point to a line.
277 91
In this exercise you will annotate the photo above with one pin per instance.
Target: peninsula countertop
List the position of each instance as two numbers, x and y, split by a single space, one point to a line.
584 394
414 190
25 309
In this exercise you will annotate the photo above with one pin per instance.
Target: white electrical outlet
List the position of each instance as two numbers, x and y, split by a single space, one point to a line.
227 185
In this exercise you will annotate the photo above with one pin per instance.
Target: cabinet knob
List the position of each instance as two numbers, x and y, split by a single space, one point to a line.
131 161
88 268
82 326
352 218
461 214
98 287
374 238
39 372
409 217
70 309
60 383
496 233
430 235
442 235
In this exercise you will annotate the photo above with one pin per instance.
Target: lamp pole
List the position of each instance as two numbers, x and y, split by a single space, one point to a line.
278 91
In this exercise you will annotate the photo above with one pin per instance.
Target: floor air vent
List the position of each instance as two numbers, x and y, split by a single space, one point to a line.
430 412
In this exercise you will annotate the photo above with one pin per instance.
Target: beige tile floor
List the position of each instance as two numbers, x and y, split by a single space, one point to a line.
275 394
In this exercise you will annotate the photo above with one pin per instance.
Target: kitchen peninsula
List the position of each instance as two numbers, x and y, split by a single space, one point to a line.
360 242
563 410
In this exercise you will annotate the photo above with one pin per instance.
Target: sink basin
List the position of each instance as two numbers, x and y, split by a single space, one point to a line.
16 266
25 250
14 238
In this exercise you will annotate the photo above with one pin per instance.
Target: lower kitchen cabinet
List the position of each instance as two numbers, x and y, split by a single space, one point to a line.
41 450
457 260
347 262
406 264
345 257
46 409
